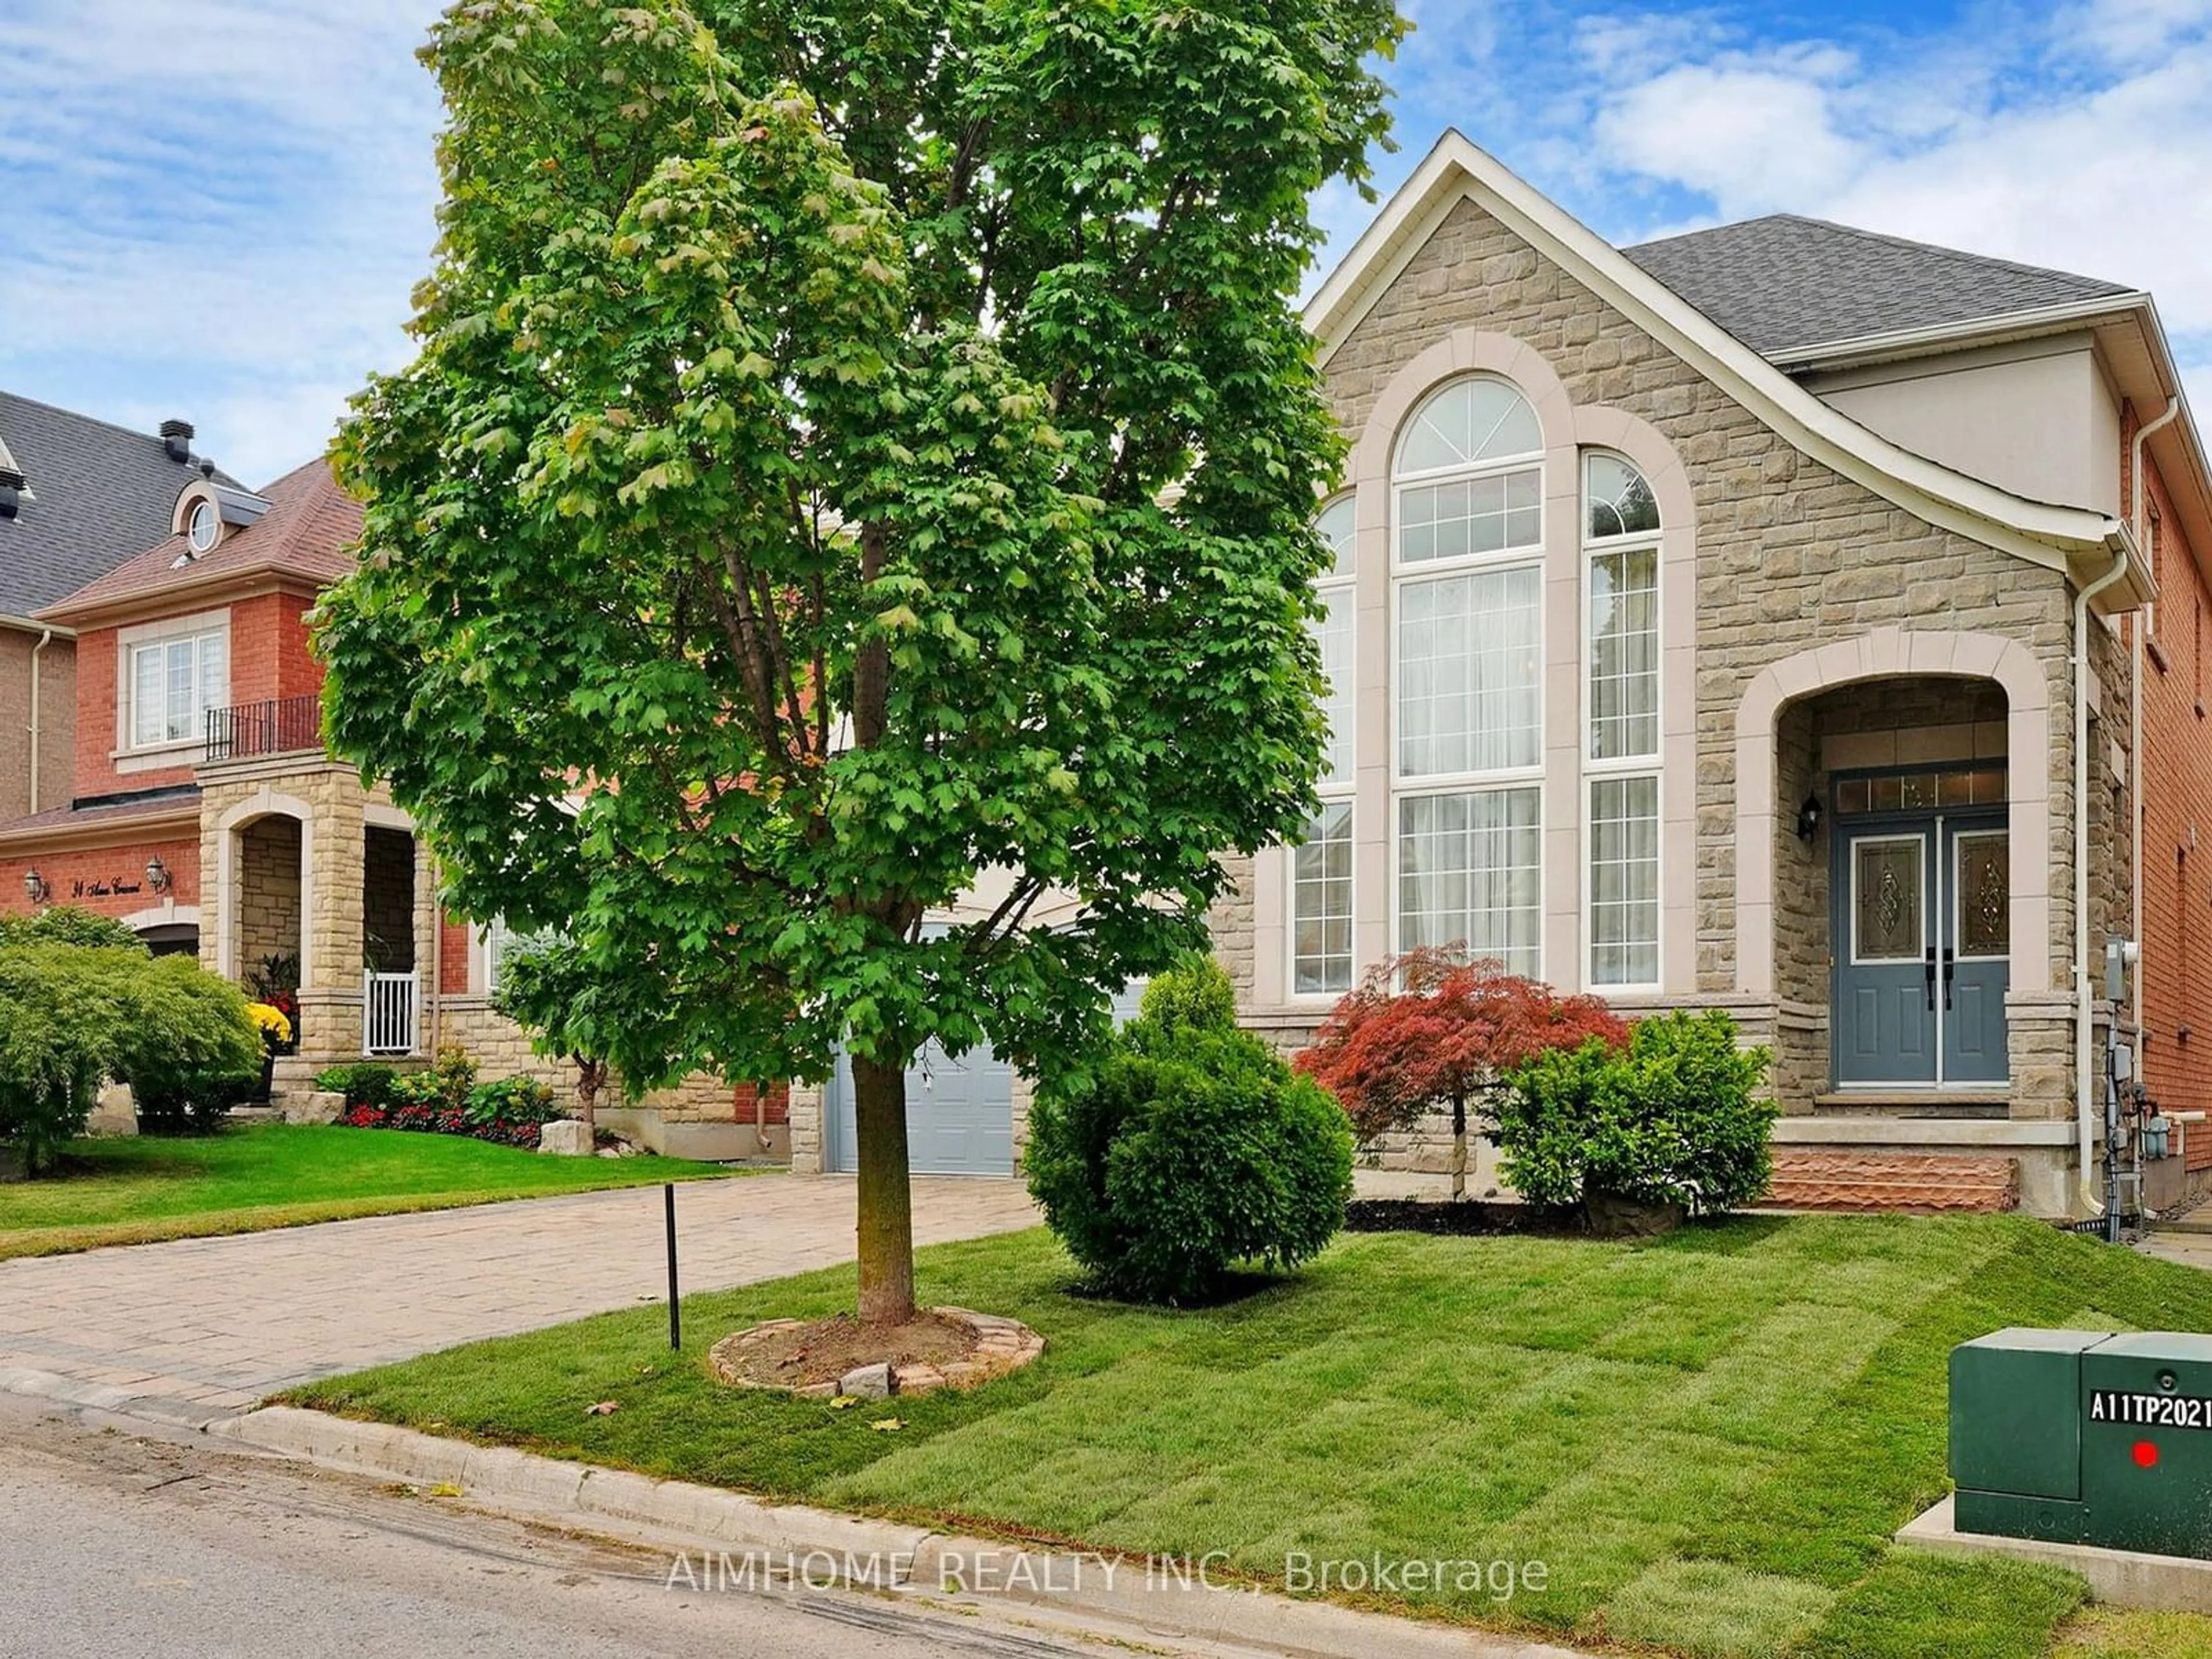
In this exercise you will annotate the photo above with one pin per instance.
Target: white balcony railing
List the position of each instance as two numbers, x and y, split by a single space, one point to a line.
389 1005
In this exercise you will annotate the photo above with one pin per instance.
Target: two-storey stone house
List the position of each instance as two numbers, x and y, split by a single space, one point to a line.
1750 620
1762 619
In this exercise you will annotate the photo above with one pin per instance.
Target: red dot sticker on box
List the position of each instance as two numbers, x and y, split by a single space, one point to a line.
2145 1454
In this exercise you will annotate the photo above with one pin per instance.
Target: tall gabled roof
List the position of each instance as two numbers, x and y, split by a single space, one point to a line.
1784 282
2080 540
96 494
309 532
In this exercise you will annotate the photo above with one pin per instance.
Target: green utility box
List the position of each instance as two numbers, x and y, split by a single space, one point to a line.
2085 1437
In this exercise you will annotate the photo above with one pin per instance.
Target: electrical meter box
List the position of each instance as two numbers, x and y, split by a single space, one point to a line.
2085 1437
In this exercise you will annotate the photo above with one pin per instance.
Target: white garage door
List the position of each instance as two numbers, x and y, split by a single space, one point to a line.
959 1113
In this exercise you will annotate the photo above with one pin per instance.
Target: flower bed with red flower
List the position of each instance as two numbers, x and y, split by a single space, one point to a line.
446 1100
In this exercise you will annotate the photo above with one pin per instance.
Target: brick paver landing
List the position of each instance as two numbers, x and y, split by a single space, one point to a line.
204 1327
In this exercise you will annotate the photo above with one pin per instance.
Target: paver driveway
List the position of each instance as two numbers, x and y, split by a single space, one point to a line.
204 1327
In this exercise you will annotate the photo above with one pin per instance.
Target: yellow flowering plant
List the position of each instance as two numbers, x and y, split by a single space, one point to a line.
275 1028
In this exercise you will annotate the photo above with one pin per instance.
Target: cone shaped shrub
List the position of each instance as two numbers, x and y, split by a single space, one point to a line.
1192 1148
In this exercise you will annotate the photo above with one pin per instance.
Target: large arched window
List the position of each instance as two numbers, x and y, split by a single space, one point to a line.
1320 882
1468 490
1621 542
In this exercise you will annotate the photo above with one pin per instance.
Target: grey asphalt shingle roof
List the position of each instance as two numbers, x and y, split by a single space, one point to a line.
99 495
1784 281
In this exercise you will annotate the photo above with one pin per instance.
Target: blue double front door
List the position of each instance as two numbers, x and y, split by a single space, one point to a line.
1923 945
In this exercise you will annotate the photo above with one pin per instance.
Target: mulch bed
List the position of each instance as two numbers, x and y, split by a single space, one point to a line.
1475 1218
1460 1218
824 1350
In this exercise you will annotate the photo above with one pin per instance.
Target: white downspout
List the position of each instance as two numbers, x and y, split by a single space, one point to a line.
2139 500
2084 1010
44 639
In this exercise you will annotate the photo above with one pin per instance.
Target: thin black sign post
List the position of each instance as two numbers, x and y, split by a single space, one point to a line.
674 1316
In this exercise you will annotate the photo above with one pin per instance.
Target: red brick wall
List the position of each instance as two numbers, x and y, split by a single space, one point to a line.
779 1103
452 957
2176 875
124 863
269 654
269 659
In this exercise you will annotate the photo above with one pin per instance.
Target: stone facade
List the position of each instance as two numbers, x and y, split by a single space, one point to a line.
299 829
1791 558
268 888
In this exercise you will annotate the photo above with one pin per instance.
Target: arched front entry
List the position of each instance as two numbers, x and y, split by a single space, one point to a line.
167 929
1893 859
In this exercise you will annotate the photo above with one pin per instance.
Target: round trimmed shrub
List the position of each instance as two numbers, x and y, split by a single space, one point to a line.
188 1049
1192 1147
1673 1119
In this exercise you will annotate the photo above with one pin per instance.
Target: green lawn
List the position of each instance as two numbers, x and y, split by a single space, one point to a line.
1708 1440
132 1189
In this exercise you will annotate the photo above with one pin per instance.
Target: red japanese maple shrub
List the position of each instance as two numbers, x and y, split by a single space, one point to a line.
1435 1028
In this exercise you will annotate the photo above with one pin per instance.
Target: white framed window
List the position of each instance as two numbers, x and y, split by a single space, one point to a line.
1467 673
1321 865
500 942
1333 633
1620 544
1624 881
1470 868
1321 905
1470 672
171 683
205 526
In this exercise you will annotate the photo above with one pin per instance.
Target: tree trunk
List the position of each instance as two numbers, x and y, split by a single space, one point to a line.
591 1078
886 1229
1459 1147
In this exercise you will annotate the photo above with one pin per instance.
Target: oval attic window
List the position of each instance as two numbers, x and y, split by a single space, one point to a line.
206 525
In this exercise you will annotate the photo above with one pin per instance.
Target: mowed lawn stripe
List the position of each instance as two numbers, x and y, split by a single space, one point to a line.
1706 1439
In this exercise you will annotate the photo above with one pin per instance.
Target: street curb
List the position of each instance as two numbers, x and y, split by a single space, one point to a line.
941 1566
100 1396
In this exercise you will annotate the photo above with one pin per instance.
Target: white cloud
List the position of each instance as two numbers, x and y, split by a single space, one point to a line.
1754 140
2081 142
216 213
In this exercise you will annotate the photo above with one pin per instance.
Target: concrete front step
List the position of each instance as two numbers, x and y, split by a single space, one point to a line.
1864 1182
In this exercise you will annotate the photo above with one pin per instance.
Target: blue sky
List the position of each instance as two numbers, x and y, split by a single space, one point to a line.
216 210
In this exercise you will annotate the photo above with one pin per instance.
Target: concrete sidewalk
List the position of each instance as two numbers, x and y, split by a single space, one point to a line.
203 1329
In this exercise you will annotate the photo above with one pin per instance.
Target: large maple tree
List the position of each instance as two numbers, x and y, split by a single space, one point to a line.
859 453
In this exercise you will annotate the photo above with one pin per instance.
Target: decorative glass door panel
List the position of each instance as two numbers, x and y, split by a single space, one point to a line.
1921 925
1885 1020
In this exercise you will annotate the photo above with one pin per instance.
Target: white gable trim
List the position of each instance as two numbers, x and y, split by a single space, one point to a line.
2082 542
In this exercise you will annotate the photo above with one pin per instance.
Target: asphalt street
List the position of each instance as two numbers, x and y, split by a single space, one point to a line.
114 1546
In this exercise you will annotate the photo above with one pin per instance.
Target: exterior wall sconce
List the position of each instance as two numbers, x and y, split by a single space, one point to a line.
37 887
1808 818
157 875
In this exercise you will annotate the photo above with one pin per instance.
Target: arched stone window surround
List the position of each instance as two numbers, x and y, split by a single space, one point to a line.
170 914
1881 654
1598 426
1567 430
263 804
